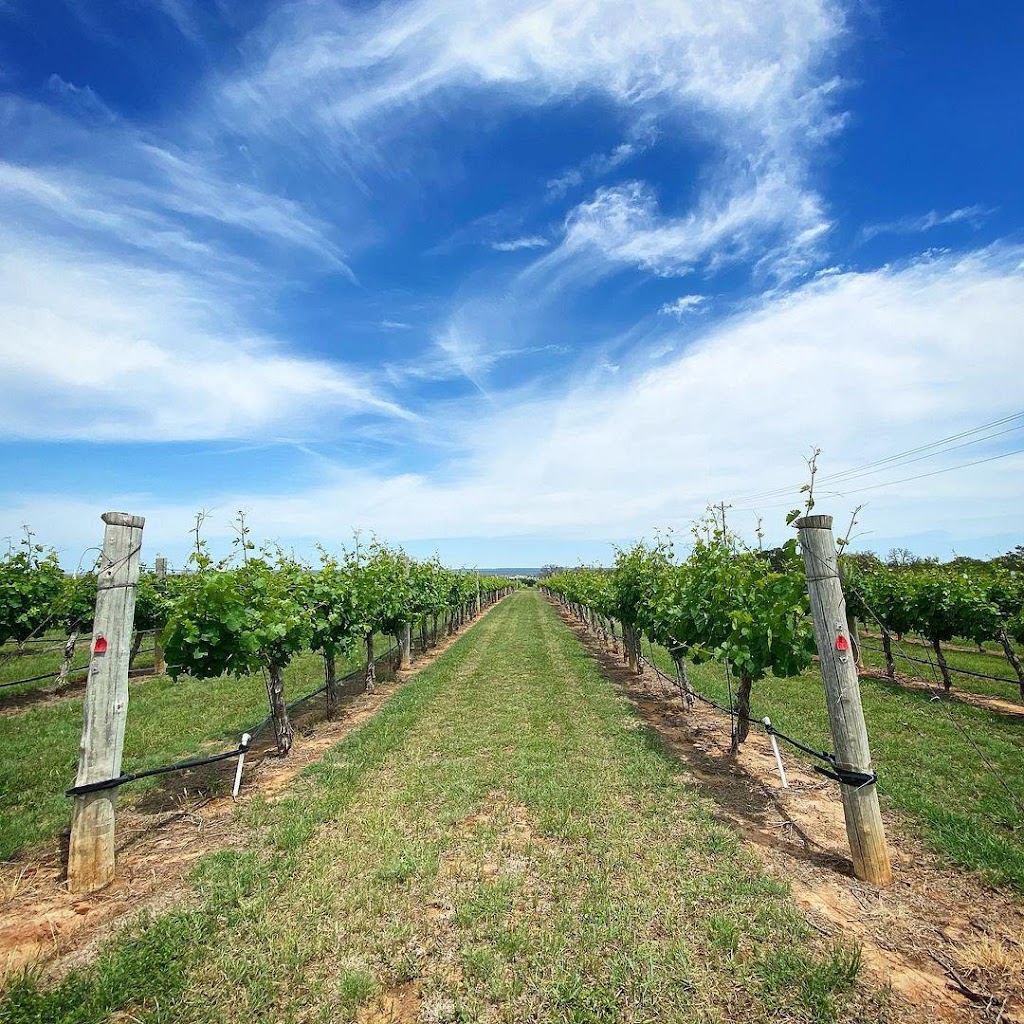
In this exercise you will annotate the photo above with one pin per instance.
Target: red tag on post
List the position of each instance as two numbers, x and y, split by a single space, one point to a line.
842 644
99 645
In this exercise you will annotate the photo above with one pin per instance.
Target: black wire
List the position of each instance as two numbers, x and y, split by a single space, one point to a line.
953 669
49 675
936 472
859 470
940 694
180 766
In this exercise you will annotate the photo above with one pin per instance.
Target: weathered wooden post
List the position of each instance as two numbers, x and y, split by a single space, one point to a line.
159 662
842 694
91 850
405 647
629 639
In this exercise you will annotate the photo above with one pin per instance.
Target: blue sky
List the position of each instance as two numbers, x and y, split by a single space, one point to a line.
510 280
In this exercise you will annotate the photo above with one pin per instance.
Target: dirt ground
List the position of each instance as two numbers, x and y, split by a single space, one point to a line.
45 696
949 946
999 705
160 837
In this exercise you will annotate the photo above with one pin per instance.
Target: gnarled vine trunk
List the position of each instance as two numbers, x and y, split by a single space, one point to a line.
947 680
283 731
683 680
136 647
632 643
890 664
331 678
742 711
1012 658
69 657
371 669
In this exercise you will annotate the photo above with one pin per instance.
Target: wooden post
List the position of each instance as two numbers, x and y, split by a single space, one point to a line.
864 827
91 849
159 662
405 647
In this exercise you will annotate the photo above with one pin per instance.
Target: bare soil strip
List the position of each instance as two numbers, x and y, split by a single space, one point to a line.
998 705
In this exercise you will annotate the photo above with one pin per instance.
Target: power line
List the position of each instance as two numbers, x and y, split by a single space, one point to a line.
935 472
890 461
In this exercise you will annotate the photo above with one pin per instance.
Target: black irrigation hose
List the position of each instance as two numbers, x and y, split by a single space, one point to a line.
49 675
833 770
70 671
180 766
953 670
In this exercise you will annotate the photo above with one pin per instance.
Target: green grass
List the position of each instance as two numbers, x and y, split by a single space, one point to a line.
167 721
503 841
927 765
14 666
991 663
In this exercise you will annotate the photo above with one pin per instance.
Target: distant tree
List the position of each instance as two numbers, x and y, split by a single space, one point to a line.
865 561
965 562
904 558
1012 559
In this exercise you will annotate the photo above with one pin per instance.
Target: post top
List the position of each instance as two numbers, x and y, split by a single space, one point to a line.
814 523
124 519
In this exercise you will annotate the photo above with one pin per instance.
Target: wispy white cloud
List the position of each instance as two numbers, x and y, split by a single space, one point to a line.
155 208
731 414
526 242
394 325
683 305
751 78
82 99
624 225
104 349
323 66
972 215
182 15
643 134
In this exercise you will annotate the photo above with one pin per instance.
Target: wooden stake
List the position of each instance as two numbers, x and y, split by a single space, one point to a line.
159 662
91 849
864 827
405 647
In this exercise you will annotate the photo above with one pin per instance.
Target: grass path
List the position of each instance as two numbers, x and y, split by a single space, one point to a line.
503 842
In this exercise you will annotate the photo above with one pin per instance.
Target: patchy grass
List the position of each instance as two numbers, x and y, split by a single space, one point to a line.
167 721
26 666
930 756
501 842
990 662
